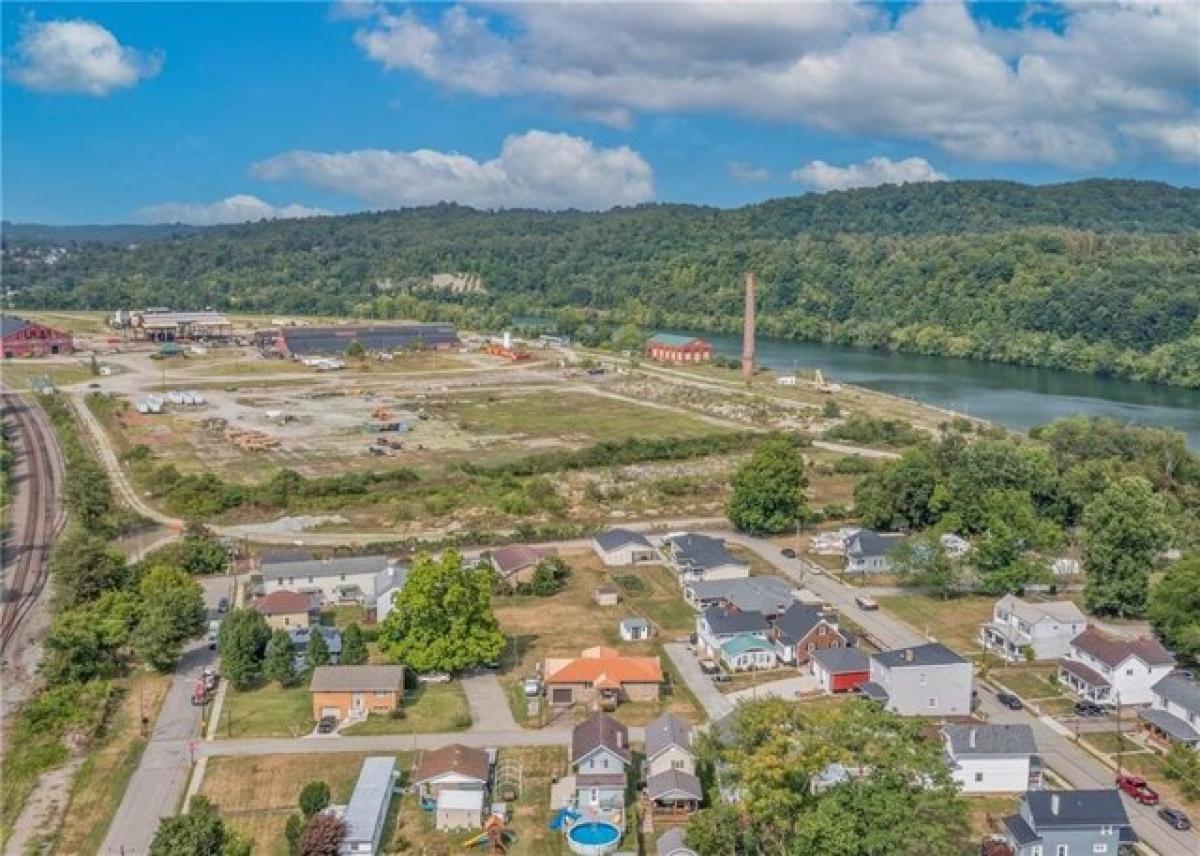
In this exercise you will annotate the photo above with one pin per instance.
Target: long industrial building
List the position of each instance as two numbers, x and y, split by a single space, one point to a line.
314 341
24 338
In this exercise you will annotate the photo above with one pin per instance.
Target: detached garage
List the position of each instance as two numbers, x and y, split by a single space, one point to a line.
840 670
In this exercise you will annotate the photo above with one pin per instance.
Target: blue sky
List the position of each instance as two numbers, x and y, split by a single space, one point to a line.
212 113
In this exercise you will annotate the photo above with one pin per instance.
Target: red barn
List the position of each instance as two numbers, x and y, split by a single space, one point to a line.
840 670
23 338
678 349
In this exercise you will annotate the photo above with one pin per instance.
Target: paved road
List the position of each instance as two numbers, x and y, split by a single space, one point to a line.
158 783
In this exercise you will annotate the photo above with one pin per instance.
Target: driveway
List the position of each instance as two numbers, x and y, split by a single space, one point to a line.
787 688
715 705
488 703
158 783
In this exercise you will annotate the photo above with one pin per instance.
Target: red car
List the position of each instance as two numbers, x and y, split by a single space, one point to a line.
1137 788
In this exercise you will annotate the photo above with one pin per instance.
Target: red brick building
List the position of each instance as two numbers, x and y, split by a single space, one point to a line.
23 338
678 349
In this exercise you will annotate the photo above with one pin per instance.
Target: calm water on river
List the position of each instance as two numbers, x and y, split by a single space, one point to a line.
1015 396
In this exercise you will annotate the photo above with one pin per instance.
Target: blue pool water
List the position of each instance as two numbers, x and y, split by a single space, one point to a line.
594 832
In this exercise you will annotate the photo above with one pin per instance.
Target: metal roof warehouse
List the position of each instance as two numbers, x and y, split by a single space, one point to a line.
292 341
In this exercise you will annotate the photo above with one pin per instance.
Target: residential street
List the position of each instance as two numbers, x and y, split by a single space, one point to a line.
702 687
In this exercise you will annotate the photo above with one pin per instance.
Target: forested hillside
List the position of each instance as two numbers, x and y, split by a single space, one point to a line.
1098 276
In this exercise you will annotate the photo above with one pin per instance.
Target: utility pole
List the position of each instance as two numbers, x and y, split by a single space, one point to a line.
1118 695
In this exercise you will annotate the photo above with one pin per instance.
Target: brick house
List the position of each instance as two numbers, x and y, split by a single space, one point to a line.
602 676
352 692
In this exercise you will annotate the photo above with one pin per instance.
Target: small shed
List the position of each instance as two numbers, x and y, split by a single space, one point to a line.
459 809
634 629
606 595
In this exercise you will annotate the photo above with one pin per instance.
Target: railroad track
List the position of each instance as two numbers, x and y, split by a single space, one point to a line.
40 520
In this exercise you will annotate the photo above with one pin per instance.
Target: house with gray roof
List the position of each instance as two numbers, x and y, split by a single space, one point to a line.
802 629
870 552
673 843
923 680
993 758
697 558
365 814
1174 713
1044 628
839 670
741 640
1053 823
617 547
334 580
768 595
670 767
599 756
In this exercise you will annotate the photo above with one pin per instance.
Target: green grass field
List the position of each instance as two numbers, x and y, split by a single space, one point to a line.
954 622
271 711
431 708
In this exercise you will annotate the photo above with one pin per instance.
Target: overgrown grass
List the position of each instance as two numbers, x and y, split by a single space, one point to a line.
271 711
428 709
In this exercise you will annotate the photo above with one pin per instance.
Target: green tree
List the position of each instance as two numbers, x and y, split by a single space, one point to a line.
291 833
88 494
314 797
85 566
900 495
442 619
924 562
201 552
197 832
317 652
172 612
1124 528
354 646
242 643
1174 608
549 576
279 659
768 490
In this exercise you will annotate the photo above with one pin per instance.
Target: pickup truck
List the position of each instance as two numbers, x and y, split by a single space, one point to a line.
865 603
1136 787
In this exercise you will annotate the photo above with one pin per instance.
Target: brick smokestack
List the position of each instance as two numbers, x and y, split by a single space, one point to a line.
748 328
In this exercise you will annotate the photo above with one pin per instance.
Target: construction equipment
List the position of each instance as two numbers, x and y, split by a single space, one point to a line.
823 386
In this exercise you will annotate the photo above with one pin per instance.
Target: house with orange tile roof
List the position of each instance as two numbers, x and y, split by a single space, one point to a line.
602 677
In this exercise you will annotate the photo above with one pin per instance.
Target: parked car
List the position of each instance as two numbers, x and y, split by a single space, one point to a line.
223 605
494 665
210 679
788 553
721 678
866 604
708 667
1088 708
532 687
1175 818
327 725
434 678
1137 788
1009 700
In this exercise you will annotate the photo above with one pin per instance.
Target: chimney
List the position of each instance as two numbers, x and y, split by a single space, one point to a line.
748 328
909 655
1054 804
971 738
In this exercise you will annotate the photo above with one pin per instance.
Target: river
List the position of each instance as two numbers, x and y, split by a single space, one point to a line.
1017 397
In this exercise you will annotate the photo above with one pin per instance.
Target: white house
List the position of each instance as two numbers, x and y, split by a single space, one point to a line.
954 546
992 758
1111 671
925 680
1174 714
870 552
1047 628
342 579
617 547
697 558
738 639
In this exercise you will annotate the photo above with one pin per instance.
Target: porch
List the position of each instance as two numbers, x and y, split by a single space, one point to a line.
1085 683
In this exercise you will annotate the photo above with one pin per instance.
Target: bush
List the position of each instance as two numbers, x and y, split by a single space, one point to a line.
631 584
876 432
314 797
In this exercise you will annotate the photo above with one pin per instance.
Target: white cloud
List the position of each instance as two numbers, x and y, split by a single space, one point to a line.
77 56
870 173
1178 141
931 73
241 208
534 170
747 172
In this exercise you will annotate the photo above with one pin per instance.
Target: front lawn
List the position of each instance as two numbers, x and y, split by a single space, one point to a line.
1036 680
1107 742
429 708
271 711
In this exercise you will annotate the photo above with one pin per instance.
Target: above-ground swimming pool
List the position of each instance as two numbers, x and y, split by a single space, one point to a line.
593 838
